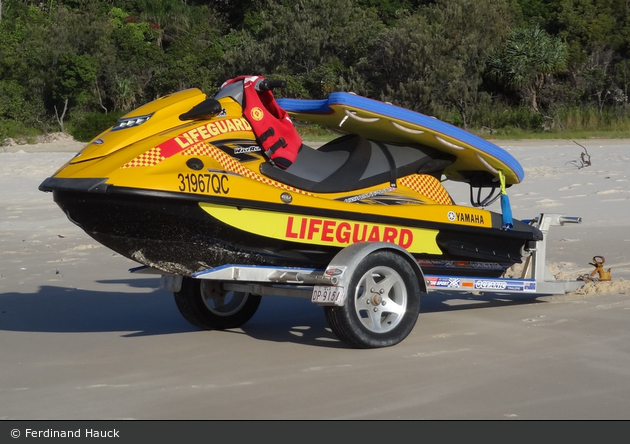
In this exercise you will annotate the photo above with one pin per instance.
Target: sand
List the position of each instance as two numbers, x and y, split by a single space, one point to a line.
84 339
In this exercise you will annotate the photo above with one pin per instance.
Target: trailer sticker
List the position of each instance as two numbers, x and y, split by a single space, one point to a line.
529 286
487 266
335 271
490 285
447 282
481 284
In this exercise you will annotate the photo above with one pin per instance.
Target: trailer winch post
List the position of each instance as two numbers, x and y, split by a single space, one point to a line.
536 265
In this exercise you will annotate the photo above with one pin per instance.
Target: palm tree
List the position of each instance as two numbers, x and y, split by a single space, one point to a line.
528 57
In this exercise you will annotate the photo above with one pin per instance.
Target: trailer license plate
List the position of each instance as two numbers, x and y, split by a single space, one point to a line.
326 295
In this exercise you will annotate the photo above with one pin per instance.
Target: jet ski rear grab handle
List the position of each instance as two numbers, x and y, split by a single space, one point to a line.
536 278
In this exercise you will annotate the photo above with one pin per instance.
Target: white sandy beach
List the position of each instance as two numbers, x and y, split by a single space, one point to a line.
83 339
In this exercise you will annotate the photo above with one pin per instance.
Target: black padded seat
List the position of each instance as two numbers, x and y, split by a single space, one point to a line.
349 163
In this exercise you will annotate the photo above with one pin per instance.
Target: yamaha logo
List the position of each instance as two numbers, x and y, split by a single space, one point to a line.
469 218
257 113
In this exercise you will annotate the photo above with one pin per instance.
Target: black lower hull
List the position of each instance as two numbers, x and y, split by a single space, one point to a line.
176 236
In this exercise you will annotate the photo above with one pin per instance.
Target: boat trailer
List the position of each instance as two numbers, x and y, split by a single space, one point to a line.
370 291
307 282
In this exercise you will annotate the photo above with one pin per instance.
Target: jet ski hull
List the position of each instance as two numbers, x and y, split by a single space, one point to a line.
183 187
183 234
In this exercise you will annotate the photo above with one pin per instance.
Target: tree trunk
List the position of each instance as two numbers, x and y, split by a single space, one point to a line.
533 98
60 119
461 107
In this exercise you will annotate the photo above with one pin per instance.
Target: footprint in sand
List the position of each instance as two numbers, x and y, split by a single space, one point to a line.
611 191
548 203
570 187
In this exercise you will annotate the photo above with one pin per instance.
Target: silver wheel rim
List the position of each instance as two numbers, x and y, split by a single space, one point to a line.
220 302
380 299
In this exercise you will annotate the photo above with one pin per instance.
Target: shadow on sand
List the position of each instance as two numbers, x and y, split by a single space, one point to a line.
153 312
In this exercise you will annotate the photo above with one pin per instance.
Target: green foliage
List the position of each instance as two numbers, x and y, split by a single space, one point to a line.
569 60
528 57
499 116
435 58
93 124
16 130
315 133
528 54
12 103
389 10
312 39
75 74
536 12
192 60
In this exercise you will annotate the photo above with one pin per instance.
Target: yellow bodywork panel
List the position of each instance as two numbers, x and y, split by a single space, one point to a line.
322 230
159 161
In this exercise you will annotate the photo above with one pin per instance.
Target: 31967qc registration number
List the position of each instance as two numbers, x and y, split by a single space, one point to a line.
325 295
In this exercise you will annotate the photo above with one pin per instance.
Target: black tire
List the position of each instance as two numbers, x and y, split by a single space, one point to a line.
387 312
205 305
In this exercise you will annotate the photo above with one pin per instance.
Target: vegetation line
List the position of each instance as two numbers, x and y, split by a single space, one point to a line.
498 68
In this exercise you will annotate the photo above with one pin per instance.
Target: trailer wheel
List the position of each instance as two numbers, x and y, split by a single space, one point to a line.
205 305
382 303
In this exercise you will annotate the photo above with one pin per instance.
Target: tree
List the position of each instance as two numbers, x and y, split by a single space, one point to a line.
22 33
73 82
527 58
137 59
434 59
194 58
313 40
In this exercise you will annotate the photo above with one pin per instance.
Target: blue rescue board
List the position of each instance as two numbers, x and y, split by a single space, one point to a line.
352 114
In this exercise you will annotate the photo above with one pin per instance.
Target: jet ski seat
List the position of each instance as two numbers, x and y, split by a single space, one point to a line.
352 162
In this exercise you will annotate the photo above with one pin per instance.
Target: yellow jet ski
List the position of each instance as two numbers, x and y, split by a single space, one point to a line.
184 184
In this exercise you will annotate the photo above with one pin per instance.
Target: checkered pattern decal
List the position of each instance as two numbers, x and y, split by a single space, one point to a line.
154 155
230 164
148 158
198 149
428 186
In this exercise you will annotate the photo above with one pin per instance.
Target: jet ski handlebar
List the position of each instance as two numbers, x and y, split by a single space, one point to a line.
268 85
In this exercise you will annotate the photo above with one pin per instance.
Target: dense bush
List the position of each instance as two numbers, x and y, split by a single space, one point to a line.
530 65
93 124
